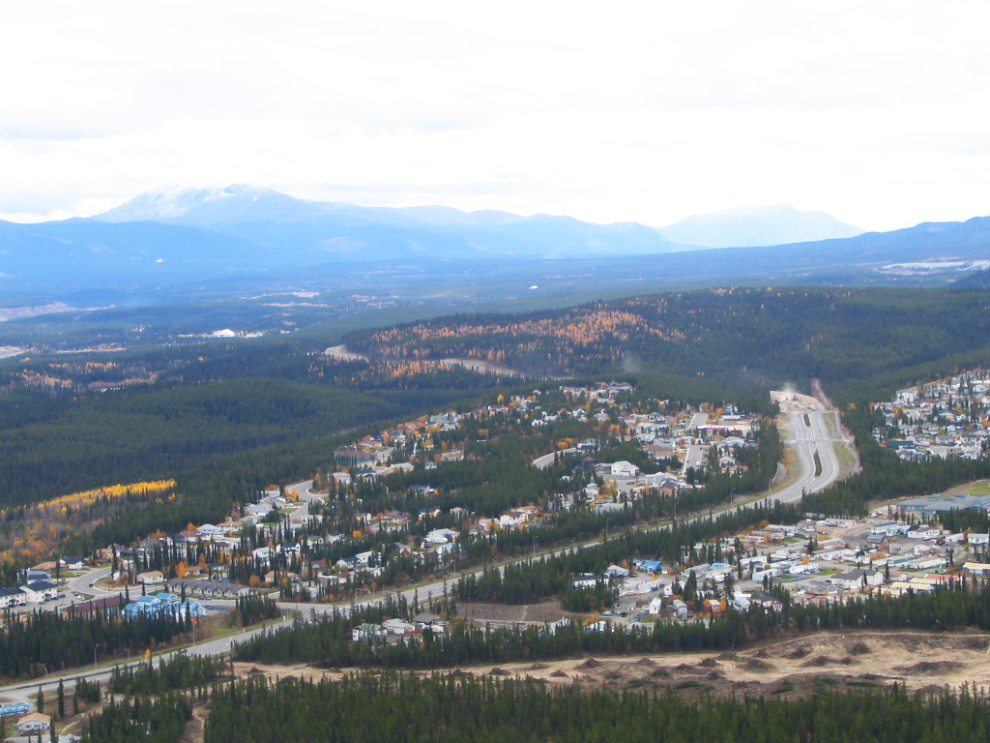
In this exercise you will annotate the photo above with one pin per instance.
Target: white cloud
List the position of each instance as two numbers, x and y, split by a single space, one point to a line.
874 112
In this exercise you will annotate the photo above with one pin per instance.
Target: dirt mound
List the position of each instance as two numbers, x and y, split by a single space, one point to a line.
559 674
499 672
590 663
859 648
708 663
930 668
645 662
756 665
824 660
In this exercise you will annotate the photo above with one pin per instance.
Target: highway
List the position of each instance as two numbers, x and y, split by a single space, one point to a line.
804 438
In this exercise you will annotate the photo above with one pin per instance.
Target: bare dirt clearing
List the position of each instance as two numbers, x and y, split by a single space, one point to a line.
792 668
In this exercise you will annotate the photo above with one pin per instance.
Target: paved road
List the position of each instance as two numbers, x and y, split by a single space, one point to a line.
806 440
541 463
695 458
304 493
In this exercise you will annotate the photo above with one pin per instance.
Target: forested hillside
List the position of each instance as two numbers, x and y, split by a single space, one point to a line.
853 339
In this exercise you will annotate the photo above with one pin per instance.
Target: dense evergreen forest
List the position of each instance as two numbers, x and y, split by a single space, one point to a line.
391 707
177 672
58 437
44 642
159 720
441 709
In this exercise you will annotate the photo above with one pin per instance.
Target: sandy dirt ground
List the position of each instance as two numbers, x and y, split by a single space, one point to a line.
792 668
537 613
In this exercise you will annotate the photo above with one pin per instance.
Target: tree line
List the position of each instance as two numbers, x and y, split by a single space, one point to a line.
44 642
444 709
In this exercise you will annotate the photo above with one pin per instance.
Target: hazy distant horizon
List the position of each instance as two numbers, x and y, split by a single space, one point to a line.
647 113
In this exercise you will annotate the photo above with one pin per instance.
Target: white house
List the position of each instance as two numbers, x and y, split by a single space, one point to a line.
624 469
857 578
585 581
367 632
12 596
40 591
770 572
33 723
440 536
398 627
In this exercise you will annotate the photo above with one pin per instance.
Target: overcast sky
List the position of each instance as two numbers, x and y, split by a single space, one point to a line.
875 112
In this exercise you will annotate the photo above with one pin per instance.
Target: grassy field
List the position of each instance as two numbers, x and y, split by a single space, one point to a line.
978 488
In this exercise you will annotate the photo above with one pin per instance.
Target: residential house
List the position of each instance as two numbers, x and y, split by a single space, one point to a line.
586 581
441 536
430 623
33 723
857 578
368 631
73 563
151 577
766 600
624 469
398 627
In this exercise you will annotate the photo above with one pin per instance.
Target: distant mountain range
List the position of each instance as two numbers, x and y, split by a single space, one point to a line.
241 239
757 227
318 229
